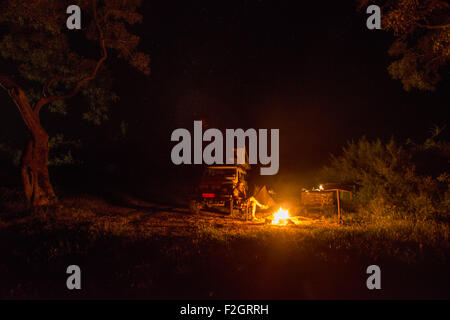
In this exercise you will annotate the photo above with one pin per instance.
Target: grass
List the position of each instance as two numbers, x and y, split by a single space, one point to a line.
142 250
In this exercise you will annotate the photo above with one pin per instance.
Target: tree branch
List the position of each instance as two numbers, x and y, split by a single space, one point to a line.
46 88
46 100
20 100
7 83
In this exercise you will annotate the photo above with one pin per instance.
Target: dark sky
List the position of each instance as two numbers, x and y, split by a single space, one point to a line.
312 70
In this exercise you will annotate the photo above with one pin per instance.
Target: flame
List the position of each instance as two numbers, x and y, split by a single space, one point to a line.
321 187
280 217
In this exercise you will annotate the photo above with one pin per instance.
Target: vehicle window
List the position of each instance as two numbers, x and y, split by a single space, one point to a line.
221 172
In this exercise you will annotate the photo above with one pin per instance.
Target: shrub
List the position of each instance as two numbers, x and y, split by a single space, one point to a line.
395 180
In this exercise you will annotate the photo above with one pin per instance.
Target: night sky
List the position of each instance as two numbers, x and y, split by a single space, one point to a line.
313 71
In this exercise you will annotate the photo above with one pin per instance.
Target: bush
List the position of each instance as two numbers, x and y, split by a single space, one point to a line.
401 181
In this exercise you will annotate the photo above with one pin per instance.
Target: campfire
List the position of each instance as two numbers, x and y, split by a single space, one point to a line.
281 217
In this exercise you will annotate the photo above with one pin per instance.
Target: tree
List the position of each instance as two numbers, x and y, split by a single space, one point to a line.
54 64
422 39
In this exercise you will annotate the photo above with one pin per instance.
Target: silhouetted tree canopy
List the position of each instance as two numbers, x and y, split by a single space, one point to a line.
422 39
52 61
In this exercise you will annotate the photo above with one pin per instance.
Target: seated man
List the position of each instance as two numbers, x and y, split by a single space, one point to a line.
240 194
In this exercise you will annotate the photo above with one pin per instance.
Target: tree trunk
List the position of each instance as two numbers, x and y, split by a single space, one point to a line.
35 177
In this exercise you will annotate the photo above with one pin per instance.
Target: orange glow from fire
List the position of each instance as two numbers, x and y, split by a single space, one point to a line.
281 217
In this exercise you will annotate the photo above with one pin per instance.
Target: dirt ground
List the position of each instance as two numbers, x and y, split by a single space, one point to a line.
139 250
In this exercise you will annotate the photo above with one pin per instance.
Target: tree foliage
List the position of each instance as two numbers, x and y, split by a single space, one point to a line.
57 63
422 39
